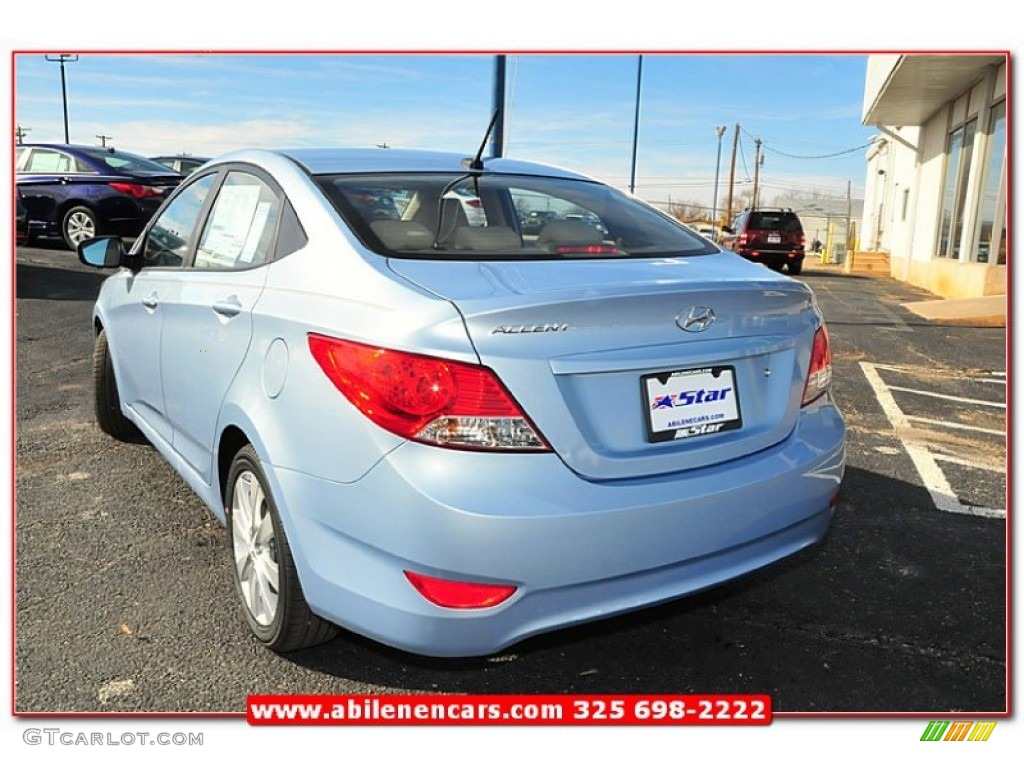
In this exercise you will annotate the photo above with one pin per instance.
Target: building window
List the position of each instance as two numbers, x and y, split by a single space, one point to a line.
992 212
906 204
954 191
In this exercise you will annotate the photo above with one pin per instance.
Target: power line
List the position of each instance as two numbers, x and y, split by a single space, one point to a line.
743 157
813 157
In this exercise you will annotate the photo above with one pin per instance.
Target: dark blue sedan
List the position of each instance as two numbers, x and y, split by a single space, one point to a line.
78 192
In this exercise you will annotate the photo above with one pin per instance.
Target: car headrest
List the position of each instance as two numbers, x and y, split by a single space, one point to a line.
569 233
490 238
402 235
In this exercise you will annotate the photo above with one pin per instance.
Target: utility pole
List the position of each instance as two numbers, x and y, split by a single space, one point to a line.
732 175
849 215
103 138
757 168
61 59
20 133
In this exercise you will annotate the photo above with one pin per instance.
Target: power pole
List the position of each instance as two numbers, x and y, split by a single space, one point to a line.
757 168
732 175
103 138
20 133
849 213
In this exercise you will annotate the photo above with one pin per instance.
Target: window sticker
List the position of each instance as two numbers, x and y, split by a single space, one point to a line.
228 231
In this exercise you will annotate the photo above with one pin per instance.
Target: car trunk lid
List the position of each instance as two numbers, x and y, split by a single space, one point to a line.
633 368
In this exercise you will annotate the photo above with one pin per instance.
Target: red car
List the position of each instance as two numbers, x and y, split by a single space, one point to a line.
770 236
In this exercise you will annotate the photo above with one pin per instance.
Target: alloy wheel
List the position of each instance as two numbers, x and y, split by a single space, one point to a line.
255 548
80 226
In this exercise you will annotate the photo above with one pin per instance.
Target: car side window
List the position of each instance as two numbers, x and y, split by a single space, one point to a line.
240 229
168 238
51 161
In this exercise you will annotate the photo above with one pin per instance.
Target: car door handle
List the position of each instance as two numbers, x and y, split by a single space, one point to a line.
228 307
150 301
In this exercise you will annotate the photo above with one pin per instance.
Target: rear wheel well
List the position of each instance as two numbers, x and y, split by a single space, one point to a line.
67 205
231 442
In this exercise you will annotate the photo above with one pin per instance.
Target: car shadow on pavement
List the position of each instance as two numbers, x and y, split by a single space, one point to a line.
33 281
874 619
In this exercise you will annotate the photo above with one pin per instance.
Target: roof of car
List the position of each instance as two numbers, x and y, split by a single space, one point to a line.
58 145
202 158
374 160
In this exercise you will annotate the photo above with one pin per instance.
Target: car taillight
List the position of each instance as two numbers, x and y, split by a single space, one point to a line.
136 190
427 399
819 375
743 239
459 594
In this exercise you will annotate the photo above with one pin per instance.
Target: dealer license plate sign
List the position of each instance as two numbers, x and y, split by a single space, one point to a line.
684 404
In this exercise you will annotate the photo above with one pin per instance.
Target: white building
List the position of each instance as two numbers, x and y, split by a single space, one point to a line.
936 187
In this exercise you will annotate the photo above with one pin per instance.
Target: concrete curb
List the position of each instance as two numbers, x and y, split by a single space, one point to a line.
987 311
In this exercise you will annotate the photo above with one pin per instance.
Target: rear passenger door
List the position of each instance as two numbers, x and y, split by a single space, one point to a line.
208 319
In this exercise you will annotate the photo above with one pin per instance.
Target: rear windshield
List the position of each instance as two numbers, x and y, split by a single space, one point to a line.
499 216
126 162
781 221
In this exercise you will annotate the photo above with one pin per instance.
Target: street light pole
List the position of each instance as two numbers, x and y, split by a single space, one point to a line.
720 130
636 123
498 136
61 58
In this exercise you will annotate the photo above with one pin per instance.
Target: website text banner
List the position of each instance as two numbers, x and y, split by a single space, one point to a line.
667 709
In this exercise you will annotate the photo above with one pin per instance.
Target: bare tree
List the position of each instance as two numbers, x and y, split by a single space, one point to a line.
689 211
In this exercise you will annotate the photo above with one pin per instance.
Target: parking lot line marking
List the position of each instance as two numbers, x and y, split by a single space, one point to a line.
953 425
967 463
954 398
924 462
909 369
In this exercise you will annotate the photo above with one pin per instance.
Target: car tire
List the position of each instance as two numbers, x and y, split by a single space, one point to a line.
109 416
795 267
264 572
79 224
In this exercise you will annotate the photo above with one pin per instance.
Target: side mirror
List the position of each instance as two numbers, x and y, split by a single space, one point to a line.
101 252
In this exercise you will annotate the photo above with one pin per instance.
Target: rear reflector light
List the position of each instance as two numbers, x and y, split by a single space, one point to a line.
136 190
428 399
819 375
459 594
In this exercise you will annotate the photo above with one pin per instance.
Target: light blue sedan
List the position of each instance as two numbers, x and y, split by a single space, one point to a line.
428 426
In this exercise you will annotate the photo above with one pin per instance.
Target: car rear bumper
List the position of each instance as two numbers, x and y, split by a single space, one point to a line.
772 256
576 550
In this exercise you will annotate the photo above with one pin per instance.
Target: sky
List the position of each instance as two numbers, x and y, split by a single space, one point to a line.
573 110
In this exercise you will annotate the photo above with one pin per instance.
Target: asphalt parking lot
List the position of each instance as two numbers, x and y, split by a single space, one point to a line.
124 598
